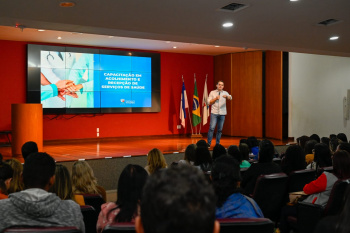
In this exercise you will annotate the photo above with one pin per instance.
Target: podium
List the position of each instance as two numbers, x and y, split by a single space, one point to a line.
27 125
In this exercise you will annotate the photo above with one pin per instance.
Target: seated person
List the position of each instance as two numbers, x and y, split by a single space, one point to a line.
130 185
241 155
177 200
63 185
230 202
218 151
293 160
155 161
264 166
6 174
35 206
16 184
322 157
309 147
190 155
28 148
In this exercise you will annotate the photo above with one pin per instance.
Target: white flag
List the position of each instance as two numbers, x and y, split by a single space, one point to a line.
183 105
205 103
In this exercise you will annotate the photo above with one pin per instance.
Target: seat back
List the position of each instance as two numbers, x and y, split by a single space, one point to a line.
246 225
90 218
120 227
94 200
326 169
336 199
298 179
269 194
34 229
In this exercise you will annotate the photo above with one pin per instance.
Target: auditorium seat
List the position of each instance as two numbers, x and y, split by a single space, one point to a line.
269 194
42 230
120 227
90 218
246 225
94 200
309 214
298 179
326 169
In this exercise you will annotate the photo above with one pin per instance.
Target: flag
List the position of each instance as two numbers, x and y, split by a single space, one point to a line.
183 105
196 113
205 104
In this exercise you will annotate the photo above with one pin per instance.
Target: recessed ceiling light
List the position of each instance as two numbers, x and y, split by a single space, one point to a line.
67 4
227 25
41 30
174 47
334 38
217 46
293 0
59 38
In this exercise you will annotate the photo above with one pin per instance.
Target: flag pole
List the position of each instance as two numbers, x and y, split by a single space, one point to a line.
200 127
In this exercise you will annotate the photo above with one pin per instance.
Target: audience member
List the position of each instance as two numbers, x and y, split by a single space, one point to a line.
28 148
244 149
16 184
332 136
344 146
34 206
237 154
253 144
84 181
190 154
315 137
342 137
265 166
302 141
230 202
333 145
202 143
125 209
325 140
155 161
218 150
63 183
6 174
203 159
293 160
309 147
323 157
178 199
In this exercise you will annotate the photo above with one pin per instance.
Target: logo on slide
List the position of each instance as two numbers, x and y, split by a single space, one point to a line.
122 100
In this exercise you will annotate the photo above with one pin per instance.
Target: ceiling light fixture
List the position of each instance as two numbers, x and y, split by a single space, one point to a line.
217 46
334 38
227 25
174 47
41 30
293 0
67 4
59 38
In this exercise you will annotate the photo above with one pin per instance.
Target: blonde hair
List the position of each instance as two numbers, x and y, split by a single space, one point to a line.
63 184
16 183
83 178
155 160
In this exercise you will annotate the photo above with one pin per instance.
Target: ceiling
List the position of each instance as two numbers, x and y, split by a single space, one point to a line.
193 26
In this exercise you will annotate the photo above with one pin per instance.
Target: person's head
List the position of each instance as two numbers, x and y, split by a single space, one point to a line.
325 140
28 148
226 176
252 142
315 137
302 141
331 136
266 151
218 150
6 174
323 156
202 156
177 199
39 171
235 153
294 159
202 143
333 144
220 85
83 179
244 149
243 140
341 164
63 183
342 137
190 153
344 146
155 160
130 185
309 146
16 183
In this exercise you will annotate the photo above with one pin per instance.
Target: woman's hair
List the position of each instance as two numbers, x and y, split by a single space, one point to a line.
294 159
201 143
341 164
83 178
252 142
302 141
225 175
155 160
309 146
325 140
315 137
6 172
344 146
235 153
244 149
266 151
333 144
323 156
342 137
16 184
190 153
63 184
218 150
130 185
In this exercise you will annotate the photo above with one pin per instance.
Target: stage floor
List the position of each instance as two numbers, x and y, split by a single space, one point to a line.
73 150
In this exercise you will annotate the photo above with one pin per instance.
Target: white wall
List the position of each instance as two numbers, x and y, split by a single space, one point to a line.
317 86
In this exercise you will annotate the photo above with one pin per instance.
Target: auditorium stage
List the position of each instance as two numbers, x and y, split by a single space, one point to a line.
100 148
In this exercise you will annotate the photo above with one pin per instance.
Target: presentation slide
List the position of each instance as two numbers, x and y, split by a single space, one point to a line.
85 80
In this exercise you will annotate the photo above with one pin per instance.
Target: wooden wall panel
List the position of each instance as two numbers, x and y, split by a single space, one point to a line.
273 95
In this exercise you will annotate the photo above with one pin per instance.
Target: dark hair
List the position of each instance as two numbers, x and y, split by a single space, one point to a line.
203 158
343 225
309 146
333 144
302 141
341 164
266 151
28 148
225 177
331 136
294 159
130 185
38 169
325 140
220 81
323 156
252 142
342 137
218 150
190 153
63 183
178 199
6 172
243 141
235 153
202 143
344 146
315 137
244 149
